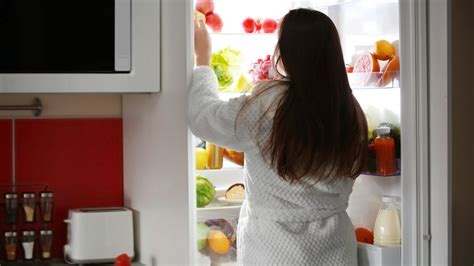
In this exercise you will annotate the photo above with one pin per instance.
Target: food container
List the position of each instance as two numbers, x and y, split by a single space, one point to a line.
10 245
217 240
46 241
11 208
46 206
28 244
29 206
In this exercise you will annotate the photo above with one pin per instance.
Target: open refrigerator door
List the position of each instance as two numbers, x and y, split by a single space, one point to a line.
244 34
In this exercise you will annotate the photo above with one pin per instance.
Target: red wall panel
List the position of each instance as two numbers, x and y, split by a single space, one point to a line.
80 160
6 137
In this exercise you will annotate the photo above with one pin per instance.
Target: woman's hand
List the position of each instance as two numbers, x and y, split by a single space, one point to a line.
202 44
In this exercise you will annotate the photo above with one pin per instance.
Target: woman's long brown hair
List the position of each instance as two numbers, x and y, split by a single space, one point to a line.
319 130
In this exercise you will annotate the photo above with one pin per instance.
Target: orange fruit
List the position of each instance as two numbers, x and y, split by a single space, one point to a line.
390 71
363 235
367 62
384 50
218 242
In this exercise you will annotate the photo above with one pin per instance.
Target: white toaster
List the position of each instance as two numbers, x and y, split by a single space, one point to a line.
98 235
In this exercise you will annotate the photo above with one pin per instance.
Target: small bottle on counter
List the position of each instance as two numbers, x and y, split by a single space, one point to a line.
11 208
28 243
384 152
215 159
46 206
10 244
29 206
387 228
46 241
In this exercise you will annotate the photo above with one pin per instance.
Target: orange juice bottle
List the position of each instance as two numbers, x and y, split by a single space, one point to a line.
384 152
215 157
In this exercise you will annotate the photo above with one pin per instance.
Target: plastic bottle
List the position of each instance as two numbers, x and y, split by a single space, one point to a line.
387 228
215 159
384 152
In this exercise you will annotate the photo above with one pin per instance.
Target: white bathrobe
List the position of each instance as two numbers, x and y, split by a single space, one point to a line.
279 223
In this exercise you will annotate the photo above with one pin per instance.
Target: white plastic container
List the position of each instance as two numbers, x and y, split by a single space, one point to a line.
368 255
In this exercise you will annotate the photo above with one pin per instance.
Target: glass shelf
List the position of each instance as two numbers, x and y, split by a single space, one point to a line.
243 34
374 80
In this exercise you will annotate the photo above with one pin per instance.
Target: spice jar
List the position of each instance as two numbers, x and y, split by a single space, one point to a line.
46 206
29 205
10 243
215 159
28 243
11 208
46 241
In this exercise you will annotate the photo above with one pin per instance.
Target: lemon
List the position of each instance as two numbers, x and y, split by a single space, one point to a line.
201 158
218 242
242 84
199 16
384 50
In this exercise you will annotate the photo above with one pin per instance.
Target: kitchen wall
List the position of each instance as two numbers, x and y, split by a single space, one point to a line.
462 108
75 147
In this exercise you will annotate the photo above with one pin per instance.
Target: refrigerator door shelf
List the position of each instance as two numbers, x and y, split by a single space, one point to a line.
374 255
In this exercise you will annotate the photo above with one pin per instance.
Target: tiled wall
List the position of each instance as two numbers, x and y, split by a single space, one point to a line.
79 159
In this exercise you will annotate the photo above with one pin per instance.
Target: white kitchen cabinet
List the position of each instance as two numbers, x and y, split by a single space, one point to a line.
144 67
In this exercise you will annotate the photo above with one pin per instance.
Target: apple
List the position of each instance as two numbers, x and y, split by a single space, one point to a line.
214 21
269 25
249 25
205 6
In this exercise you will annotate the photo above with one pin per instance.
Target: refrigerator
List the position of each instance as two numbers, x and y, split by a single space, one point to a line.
243 33
159 149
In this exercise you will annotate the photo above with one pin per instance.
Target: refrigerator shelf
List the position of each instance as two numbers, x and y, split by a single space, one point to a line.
370 174
243 34
223 178
374 80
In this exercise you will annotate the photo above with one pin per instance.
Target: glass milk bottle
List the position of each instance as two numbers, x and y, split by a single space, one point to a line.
387 228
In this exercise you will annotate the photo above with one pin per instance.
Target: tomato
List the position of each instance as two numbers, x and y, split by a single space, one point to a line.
123 260
363 235
269 25
214 21
249 25
349 68
205 6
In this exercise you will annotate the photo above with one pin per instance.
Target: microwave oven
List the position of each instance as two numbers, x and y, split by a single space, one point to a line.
64 36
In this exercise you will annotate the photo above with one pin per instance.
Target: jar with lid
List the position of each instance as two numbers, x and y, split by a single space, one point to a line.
46 206
46 241
11 208
215 159
387 228
10 245
28 243
384 152
29 206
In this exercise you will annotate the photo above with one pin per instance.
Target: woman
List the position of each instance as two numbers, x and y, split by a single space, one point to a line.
305 138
